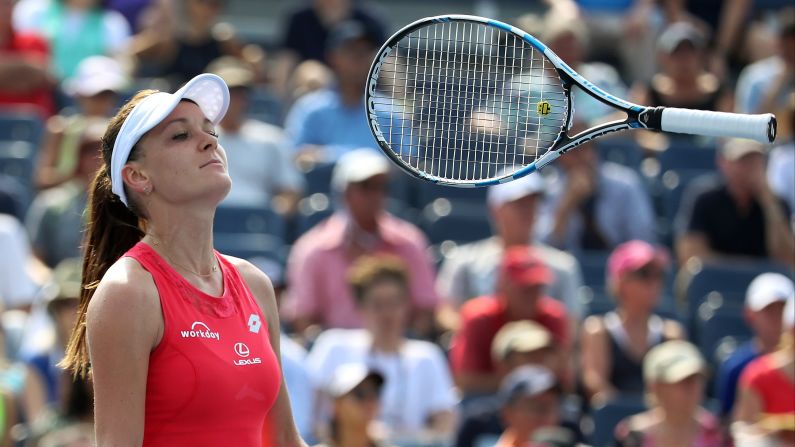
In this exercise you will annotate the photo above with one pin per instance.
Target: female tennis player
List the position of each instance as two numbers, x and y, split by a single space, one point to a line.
182 342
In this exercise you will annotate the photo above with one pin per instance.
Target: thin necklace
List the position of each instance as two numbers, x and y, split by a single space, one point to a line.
213 269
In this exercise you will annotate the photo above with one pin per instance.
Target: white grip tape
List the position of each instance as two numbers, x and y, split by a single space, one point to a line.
719 124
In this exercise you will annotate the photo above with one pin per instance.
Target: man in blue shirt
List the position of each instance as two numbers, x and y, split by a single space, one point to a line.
764 304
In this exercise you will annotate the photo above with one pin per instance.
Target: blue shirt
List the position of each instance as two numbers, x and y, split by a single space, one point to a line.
729 375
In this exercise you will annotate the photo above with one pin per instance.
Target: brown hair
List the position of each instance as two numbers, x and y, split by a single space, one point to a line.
369 270
111 229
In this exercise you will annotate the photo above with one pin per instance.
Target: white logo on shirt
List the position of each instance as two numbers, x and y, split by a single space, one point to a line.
242 351
200 330
254 323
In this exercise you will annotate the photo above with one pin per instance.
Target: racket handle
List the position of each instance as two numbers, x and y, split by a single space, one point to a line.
761 128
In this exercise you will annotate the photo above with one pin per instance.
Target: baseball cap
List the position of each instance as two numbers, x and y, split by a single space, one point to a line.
520 336
767 289
737 148
357 166
788 318
523 266
350 375
678 33
234 71
526 381
349 31
631 256
501 194
672 361
207 90
94 75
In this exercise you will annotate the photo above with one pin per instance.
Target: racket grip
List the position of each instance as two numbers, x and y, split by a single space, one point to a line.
761 128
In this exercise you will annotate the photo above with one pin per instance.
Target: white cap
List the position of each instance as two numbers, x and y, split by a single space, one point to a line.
96 74
350 375
767 289
207 90
501 194
356 166
672 361
788 318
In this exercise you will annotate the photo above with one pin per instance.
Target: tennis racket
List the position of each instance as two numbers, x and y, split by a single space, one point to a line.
468 101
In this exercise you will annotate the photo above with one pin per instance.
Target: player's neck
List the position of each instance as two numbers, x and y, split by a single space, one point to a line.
189 243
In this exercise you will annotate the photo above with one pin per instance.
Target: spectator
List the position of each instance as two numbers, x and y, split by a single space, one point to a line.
55 219
258 156
308 28
299 383
184 37
471 270
766 401
763 86
517 344
132 10
674 373
531 404
519 296
26 390
18 288
325 124
96 88
355 391
683 80
739 217
418 398
568 38
594 205
61 306
75 30
764 306
316 268
70 421
25 78
614 345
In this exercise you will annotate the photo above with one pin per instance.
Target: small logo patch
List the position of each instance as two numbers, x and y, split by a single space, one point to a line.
543 108
254 323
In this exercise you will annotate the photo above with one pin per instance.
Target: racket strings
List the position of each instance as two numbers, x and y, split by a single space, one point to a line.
468 102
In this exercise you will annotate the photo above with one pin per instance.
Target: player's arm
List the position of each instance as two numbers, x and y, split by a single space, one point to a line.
280 429
124 323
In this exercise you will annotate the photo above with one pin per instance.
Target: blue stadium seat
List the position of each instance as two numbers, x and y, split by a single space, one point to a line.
624 151
318 178
17 160
730 279
241 219
264 105
593 265
446 220
20 126
311 210
605 418
684 154
265 251
714 325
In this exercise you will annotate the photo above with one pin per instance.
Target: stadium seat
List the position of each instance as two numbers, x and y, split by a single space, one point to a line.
318 178
241 219
265 106
606 417
16 126
592 264
729 278
311 210
265 251
624 151
714 326
17 161
685 154
424 193
460 222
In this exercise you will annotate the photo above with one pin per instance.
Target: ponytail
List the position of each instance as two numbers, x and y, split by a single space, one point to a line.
111 229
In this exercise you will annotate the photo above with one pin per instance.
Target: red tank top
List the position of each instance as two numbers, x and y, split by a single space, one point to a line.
214 376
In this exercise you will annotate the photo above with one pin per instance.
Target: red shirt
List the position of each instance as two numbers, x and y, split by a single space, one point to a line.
35 49
483 317
775 390
214 376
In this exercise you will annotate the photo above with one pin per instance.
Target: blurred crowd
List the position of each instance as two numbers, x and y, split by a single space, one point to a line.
639 292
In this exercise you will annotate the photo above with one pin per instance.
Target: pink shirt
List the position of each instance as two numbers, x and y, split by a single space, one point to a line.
319 261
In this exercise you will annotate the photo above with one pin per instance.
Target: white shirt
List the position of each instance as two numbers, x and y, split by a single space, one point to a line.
781 173
417 379
259 164
16 286
299 384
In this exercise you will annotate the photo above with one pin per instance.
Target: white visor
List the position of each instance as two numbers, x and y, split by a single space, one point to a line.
207 90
